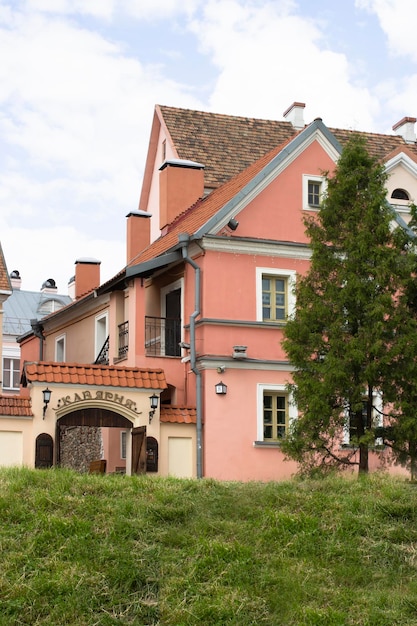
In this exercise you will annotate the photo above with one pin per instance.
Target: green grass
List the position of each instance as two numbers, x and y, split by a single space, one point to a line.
104 550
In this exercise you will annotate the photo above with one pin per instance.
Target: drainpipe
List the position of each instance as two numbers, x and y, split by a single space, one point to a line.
38 332
184 240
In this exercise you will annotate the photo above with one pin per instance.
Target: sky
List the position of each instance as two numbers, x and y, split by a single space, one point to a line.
79 80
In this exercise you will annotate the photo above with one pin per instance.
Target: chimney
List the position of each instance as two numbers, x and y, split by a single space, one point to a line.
87 276
295 115
138 233
405 128
49 286
15 280
181 184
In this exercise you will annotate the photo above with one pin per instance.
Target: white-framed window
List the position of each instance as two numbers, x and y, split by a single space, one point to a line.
101 332
350 430
123 435
11 374
313 189
275 298
60 348
276 411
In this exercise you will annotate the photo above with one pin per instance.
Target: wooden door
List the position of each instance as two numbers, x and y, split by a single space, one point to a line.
139 450
44 454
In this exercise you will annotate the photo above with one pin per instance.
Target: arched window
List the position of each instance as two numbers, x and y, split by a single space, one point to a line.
400 194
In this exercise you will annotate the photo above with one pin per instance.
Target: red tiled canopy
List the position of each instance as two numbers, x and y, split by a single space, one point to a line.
102 375
15 406
178 415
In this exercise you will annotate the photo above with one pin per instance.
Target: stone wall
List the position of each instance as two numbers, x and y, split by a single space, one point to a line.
79 445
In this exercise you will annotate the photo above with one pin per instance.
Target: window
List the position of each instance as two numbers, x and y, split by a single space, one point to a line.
101 333
275 416
60 349
123 444
313 190
11 373
351 428
400 194
275 295
276 411
314 193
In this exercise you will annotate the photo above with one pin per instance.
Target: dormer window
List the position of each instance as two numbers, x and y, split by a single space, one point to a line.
400 194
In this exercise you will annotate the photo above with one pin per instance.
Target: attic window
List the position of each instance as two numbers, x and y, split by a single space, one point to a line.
400 194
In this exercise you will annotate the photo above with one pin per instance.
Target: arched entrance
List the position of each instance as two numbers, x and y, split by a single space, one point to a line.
79 437
44 451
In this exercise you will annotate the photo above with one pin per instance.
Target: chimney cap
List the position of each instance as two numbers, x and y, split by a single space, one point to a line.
138 213
88 260
182 163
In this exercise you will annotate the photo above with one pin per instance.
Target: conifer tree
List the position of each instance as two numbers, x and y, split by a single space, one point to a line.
344 337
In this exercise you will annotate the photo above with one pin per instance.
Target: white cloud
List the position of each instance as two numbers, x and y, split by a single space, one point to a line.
397 20
268 56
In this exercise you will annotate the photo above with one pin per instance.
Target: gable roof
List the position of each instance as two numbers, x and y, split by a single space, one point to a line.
5 285
227 144
23 306
100 375
206 214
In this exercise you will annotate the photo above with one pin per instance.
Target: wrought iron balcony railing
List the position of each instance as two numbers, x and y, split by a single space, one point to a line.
123 340
162 336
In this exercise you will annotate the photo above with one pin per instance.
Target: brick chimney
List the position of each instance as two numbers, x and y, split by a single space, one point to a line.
87 276
181 184
138 233
405 128
295 115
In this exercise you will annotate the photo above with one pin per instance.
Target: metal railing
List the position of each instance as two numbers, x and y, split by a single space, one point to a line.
103 355
123 340
162 336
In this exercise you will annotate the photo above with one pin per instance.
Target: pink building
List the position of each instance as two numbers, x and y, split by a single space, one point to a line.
196 315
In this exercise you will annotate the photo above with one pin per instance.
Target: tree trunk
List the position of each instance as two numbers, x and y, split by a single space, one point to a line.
363 459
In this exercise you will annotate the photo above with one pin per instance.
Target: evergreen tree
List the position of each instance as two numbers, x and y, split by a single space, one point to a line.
344 338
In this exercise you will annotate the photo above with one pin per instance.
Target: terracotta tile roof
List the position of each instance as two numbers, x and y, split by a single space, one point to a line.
227 144
196 216
5 284
224 144
15 406
378 145
178 415
102 375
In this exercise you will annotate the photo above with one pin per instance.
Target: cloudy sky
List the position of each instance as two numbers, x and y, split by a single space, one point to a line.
79 80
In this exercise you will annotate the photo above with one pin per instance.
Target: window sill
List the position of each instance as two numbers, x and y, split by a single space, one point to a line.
266 444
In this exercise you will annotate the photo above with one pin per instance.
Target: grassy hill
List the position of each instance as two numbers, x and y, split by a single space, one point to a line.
106 550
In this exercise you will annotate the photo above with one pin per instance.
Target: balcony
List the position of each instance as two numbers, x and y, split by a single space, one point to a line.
162 336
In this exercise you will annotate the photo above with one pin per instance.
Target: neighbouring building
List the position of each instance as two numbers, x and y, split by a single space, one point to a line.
194 319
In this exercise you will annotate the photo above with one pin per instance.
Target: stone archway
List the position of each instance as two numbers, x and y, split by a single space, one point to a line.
79 435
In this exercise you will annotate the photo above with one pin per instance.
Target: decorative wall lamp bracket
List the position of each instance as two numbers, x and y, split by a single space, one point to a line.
221 389
46 398
154 405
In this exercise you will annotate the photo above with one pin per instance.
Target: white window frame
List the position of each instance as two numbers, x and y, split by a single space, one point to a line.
290 276
178 284
60 348
123 444
12 370
307 178
101 322
263 388
377 417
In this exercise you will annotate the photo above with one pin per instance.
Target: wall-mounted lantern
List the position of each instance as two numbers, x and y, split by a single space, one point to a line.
154 405
221 389
46 398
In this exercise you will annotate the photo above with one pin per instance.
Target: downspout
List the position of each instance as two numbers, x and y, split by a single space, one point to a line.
184 240
37 329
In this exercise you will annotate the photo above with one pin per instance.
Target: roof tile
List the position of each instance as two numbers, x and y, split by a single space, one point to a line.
48 372
15 406
178 414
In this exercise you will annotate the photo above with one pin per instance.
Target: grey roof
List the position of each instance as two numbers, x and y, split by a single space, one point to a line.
23 306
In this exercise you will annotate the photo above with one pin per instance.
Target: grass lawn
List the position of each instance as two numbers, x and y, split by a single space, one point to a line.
104 550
